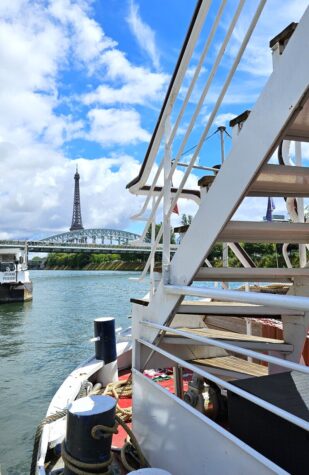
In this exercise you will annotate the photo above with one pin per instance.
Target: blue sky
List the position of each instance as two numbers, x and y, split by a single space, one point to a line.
83 82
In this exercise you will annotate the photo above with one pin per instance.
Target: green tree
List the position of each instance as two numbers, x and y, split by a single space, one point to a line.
186 219
157 229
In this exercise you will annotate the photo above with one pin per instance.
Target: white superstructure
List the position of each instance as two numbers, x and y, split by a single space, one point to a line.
13 266
15 283
169 331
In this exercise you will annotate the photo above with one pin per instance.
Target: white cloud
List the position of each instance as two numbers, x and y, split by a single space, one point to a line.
254 209
36 179
138 84
276 16
37 191
116 126
87 39
224 119
144 35
40 43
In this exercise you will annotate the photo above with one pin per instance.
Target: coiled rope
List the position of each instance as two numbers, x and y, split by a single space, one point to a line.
142 460
101 431
123 415
117 390
83 468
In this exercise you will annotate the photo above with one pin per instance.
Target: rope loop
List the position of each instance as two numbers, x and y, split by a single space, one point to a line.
83 468
103 432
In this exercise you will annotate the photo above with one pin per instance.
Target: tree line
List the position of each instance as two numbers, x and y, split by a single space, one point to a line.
263 255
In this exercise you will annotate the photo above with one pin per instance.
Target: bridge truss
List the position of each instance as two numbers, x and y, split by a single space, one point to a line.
94 236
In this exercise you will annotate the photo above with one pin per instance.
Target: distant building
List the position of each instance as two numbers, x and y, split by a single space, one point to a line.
276 217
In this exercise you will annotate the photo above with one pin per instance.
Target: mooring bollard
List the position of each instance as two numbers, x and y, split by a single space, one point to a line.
90 426
105 349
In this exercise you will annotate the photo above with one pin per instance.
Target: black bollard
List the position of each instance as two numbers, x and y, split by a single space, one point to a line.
84 445
105 349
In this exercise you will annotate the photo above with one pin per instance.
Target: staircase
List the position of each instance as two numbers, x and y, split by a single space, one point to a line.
169 330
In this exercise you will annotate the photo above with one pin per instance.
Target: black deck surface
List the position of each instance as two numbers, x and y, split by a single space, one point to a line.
288 390
281 441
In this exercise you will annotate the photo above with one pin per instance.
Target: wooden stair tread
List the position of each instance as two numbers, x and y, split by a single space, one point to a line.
261 231
246 274
265 231
204 307
274 180
224 335
234 364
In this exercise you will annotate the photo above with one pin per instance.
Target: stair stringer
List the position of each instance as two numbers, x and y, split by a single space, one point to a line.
277 105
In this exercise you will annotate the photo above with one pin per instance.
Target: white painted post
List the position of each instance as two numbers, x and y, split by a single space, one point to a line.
166 203
152 262
225 247
300 207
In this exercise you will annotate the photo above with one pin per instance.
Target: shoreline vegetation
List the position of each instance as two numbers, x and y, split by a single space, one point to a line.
88 261
263 255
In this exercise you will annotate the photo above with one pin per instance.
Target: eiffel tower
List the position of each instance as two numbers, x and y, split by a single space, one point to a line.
77 215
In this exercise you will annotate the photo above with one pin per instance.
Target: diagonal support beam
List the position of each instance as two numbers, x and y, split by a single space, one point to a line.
279 102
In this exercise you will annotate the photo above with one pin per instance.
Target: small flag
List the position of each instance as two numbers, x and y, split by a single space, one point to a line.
270 208
175 209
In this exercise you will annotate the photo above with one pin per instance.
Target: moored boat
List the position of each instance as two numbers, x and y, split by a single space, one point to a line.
15 283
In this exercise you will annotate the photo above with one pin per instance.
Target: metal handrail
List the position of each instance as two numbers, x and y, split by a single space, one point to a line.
230 387
193 120
187 98
210 120
220 98
256 298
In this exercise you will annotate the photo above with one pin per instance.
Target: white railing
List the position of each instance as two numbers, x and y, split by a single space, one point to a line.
255 298
229 347
171 200
230 387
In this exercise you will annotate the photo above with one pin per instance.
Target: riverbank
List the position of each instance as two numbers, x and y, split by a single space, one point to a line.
112 265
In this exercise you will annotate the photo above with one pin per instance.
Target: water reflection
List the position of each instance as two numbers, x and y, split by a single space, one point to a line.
12 320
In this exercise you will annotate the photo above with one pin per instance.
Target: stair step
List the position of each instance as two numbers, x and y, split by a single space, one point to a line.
261 231
274 232
242 274
257 343
274 180
231 367
226 309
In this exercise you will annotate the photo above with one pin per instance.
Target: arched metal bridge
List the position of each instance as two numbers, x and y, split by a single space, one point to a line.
86 240
93 236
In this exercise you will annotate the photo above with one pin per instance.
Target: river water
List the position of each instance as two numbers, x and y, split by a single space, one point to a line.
43 340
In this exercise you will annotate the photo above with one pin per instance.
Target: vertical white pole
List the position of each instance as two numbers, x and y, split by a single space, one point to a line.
300 207
152 262
225 248
166 203
222 130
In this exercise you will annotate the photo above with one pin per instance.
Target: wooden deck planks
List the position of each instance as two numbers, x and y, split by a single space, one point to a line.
225 335
233 364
